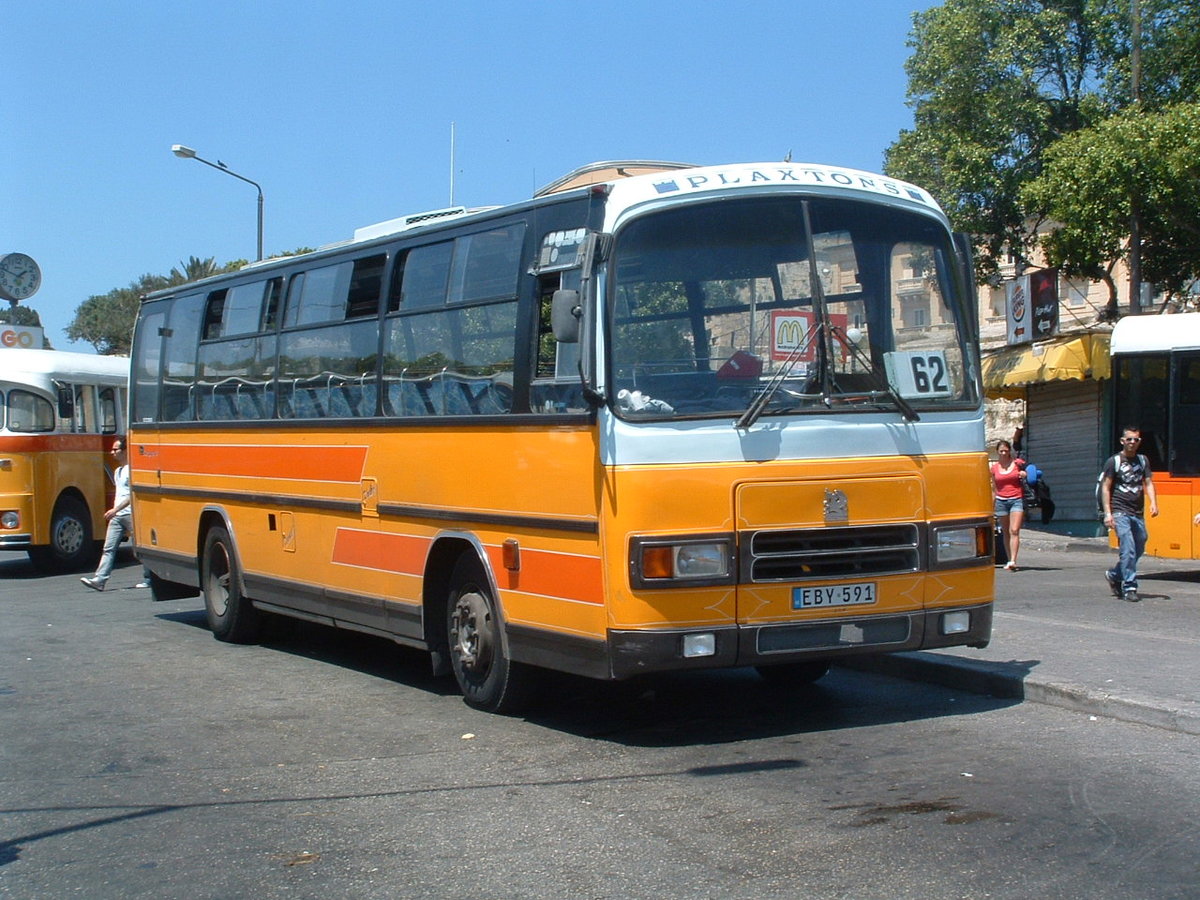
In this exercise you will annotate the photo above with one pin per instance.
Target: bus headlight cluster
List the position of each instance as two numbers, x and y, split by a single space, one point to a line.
692 560
959 543
10 518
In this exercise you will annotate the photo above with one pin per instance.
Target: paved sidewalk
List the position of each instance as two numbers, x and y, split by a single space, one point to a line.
1060 637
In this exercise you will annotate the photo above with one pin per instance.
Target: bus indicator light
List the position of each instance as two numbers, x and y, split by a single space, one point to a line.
657 562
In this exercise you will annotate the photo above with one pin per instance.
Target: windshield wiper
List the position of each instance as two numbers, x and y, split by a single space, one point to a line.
886 387
756 407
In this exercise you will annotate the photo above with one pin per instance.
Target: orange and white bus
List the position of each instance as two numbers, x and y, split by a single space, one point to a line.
1156 386
688 418
59 412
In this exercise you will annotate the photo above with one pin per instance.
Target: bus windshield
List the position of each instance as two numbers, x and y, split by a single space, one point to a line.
788 304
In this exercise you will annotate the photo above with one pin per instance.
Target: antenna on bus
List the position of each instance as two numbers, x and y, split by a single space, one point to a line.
451 163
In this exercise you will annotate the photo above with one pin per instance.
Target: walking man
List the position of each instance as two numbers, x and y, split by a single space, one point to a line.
120 519
1127 483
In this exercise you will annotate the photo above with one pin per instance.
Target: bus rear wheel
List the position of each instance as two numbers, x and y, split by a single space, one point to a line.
489 680
231 616
71 546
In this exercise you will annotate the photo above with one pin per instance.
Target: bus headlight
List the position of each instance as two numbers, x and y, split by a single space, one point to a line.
10 518
694 560
959 543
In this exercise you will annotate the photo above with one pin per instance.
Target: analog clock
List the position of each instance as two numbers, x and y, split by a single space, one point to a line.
20 276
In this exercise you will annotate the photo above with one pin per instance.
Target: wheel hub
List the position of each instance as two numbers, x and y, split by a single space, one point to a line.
471 624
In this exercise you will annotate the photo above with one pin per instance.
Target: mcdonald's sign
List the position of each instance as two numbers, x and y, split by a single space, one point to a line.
789 330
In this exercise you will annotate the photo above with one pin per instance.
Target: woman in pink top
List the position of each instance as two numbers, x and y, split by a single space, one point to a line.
1008 486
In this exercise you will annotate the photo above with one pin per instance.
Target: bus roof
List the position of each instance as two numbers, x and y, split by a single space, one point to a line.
630 183
1141 334
42 366
639 189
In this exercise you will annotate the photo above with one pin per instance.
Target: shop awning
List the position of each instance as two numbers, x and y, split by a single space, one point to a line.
1072 357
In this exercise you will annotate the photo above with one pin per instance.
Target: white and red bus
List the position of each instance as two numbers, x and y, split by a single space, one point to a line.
688 418
59 412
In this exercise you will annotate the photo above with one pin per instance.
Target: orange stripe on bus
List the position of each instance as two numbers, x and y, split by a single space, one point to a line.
400 553
304 463
1182 487
38 443
552 575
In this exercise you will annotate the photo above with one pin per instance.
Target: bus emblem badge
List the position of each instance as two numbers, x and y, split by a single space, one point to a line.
837 508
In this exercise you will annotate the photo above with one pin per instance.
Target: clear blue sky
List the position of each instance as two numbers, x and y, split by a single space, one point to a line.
342 111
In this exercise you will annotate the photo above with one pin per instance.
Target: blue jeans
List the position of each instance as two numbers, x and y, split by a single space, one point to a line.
1131 544
118 528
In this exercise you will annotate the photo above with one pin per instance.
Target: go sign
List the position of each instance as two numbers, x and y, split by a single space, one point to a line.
15 337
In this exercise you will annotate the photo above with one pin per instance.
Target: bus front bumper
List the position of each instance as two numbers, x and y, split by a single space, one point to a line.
15 541
637 652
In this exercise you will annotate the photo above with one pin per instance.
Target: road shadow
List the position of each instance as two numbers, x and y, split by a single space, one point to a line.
353 651
15 565
671 709
1190 576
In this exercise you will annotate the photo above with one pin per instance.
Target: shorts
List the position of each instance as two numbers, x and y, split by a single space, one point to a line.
1005 505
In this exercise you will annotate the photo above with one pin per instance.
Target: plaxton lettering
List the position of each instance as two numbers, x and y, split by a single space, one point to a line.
799 175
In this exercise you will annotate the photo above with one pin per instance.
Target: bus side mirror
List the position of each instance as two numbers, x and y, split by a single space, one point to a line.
66 403
565 314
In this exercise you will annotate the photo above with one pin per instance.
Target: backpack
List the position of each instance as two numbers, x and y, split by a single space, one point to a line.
1100 481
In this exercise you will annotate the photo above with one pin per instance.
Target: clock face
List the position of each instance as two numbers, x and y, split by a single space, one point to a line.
20 276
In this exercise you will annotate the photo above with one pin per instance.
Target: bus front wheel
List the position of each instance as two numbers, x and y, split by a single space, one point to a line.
231 616
71 546
489 680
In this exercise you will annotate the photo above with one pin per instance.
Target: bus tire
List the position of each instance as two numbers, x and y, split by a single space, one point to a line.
231 616
71 545
793 675
488 679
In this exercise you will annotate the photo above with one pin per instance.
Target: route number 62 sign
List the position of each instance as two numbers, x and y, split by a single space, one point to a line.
916 374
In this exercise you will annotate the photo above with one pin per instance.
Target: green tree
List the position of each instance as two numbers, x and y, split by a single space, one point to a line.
1092 179
106 320
994 84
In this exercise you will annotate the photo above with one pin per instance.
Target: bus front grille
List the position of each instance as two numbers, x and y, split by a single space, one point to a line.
812 553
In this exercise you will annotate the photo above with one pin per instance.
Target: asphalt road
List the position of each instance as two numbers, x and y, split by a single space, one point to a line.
141 758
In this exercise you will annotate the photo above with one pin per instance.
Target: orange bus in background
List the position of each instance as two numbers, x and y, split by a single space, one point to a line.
655 418
1156 386
59 412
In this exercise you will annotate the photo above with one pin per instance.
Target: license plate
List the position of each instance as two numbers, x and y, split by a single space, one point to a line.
858 593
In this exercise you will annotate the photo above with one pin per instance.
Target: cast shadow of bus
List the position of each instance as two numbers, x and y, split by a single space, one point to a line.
664 710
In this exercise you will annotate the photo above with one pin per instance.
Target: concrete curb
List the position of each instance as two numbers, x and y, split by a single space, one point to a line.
997 680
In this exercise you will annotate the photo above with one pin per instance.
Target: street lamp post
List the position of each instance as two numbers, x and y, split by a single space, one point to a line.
188 153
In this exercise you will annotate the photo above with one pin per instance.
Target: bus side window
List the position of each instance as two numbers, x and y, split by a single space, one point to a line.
214 313
421 277
29 413
271 304
85 409
366 284
108 411
556 387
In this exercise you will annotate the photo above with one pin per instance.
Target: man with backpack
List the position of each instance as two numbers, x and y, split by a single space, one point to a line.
1126 483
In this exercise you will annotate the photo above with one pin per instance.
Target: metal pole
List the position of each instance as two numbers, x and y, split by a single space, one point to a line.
221 167
1135 229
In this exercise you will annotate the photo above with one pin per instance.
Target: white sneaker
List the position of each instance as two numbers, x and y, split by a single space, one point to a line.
94 583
